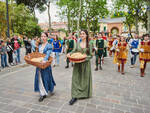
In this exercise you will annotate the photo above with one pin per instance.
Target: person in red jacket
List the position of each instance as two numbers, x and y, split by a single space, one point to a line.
16 46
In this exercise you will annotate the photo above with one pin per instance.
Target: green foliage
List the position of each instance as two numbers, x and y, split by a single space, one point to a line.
93 11
2 19
134 10
69 10
41 5
90 12
32 29
117 14
24 22
33 4
21 21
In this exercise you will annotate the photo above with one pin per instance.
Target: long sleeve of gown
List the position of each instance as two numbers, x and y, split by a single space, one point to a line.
48 52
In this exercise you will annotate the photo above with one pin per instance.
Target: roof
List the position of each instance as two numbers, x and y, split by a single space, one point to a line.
113 20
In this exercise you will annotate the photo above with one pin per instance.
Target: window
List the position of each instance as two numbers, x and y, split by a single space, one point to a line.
104 28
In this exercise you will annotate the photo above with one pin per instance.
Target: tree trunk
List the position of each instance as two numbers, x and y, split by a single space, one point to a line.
88 24
72 23
136 24
11 20
130 30
86 20
148 14
12 27
0 32
49 16
7 18
34 13
68 17
79 16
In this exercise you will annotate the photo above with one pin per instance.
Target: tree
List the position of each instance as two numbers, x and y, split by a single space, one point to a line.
129 22
49 16
33 4
7 18
83 13
148 15
93 10
24 22
69 10
134 8
32 29
148 19
40 5
2 19
48 4
21 20
79 16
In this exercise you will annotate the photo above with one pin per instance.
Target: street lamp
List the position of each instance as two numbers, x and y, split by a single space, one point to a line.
7 18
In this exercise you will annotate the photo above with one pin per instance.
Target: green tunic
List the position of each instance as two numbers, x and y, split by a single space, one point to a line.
70 45
100 50
100 47
82 75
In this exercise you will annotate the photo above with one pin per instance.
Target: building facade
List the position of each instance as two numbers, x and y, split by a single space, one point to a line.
115 26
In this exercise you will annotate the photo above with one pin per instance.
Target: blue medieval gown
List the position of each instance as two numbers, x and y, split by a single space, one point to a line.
44 81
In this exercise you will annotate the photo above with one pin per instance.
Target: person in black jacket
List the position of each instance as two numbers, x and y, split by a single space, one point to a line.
27 44
10 52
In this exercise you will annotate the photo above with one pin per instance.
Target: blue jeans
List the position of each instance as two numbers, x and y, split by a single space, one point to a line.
18 55
4 60
57 57
133 58
15 56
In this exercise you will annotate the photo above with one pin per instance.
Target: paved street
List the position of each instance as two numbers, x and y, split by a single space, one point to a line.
112 92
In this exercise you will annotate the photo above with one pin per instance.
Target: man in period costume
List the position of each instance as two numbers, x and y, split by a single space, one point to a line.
144 53
99 47
121 53
133 44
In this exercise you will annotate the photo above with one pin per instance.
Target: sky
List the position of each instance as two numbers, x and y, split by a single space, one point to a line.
43 17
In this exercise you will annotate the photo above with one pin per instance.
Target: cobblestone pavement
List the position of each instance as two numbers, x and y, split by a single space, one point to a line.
112 92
